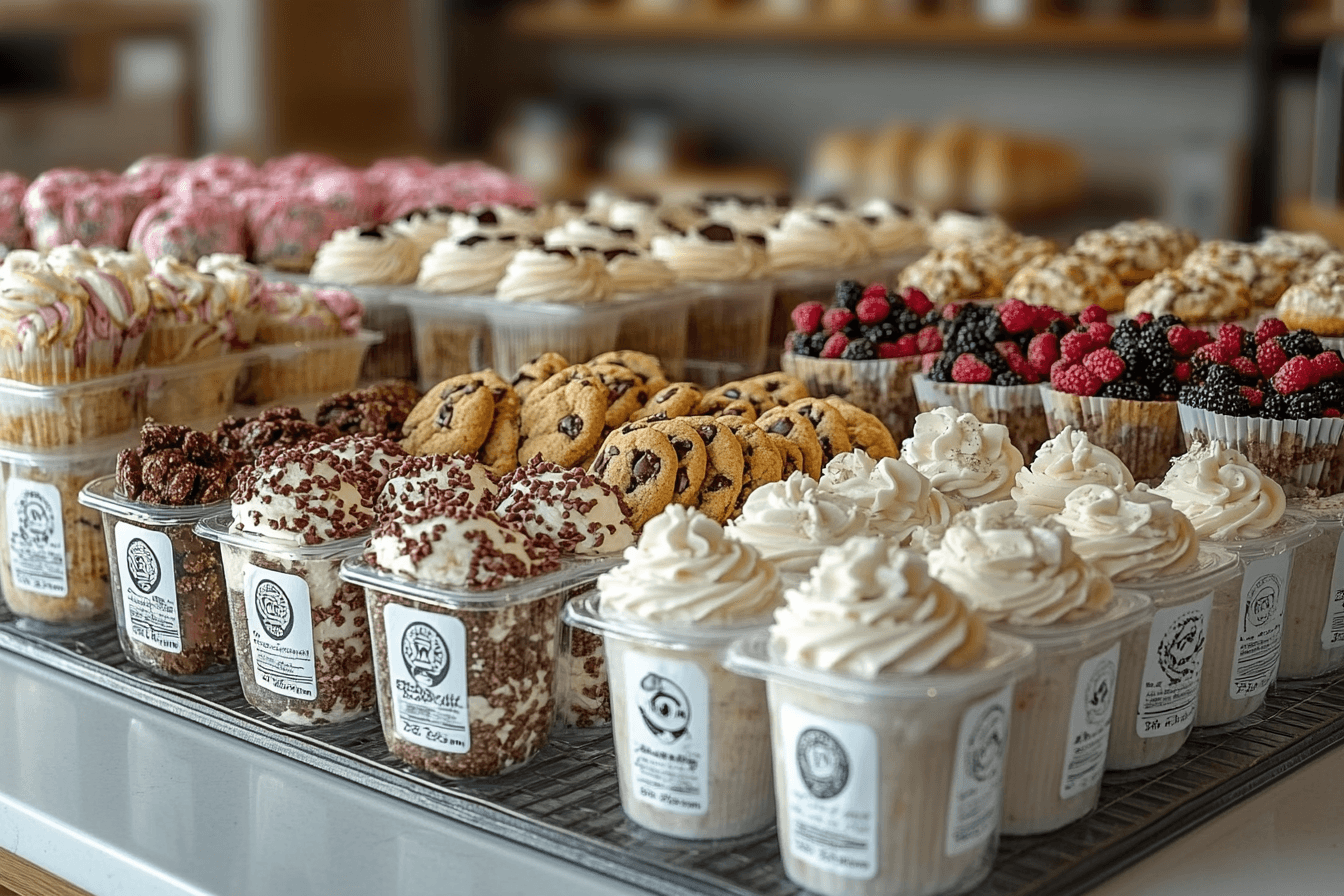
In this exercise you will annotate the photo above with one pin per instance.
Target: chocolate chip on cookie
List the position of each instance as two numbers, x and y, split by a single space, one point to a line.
789 453
797 429
761 462
626 392
675 400
454 417
740 408
537 371
562 418
692 459
642 466
720 397
724 467
783 387
865 430
830 426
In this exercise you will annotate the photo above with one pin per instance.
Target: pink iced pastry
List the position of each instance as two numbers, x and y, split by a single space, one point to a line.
296 312
459 185
187 229
286 228
160 170
13 233
347 191
96 208
296 167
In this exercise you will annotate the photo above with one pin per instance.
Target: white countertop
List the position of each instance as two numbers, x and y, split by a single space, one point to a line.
125 800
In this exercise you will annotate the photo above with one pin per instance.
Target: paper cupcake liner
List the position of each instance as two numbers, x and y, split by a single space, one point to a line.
1305 453
1146 435
273 332
1017 407
177 343
54 365
882 387
1335 343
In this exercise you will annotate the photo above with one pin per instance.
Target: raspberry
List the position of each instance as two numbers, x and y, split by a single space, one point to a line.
1246 367
1214 352
1073 346
926 363
807 317
1101 333
970 369
835 346
1296 374
1143 318
1181 370
873 308
1076 379
1016 316
1332 412
1326 365
1229 336
1254 397
836 319
1043 351
887 350
929 340
874 289
1269 357
1183 340
1092 314
1017 362
916 301
950 310
1104 364
906 346
1268 328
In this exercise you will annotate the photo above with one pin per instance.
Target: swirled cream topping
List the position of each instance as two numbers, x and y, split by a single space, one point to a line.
684 570
896 496
1130 536
636 271
712 252
1223 493
870 608
793 521
1062 464
474 263
356 257
240 280
942 510
555 275
961 457
39 308
1018 571
893 229
180 291
590 234
809 239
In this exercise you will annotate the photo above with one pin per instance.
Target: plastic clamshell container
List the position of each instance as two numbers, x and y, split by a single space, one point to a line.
582 691
656 324
452 335
394 357
466 679
728 330
202 390
890 786
692 739
301 634
46 417
294 371
1157 685
1313 619
168 591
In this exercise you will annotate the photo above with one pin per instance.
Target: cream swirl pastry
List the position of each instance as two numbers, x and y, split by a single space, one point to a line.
712 252
942 510
182 293
793 521
634 270
1062 464
497 218
1018 571
240 280
640 215
473 263
574 511
424 229
893 228
962 457
355 257
1130 536
870 608
117 304
748 214
555 275
953 227
896 496
810 239
39 308
587 233
1223 493
684 570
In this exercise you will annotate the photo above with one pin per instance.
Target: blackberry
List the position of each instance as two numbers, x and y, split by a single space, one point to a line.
997 363
1131 390
1223 375
1126 334
1133 356
906 321
1167 386
1165 322
1008 378
809 345
1248 344
931 318
1061 327
1222 400
993 329
854 329
883 332
1304 405
941 371
1300 342
859 350
1331 393
1275 406
848 293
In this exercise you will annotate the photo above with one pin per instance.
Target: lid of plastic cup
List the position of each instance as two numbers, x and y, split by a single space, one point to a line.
1294 529
101 494
220 528
1127 609
359 571
586 612
1212 568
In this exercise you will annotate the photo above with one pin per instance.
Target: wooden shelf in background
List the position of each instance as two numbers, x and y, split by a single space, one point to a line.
22 878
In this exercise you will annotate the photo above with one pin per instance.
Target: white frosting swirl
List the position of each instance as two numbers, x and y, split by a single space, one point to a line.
698 258
1130 536
807 239
896 496
472 263
356 257
963 458
555 275
638 272
793 521
1062 464
1223 493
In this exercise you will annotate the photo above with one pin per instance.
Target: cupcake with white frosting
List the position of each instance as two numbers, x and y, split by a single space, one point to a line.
974 462
1064 463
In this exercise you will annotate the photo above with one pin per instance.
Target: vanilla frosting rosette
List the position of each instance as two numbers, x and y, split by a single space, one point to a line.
712 252
1224 495
1064 463
793 521
555 275
1130 536
963 458
896 497
870 608
814 239
357 257
585 233
471 263
636 271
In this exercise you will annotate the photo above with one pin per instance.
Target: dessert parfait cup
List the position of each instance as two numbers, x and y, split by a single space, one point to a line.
1062 717
1313 617
302 635
1246 623
1157 684
168 591
1017 407
466 679
891 786
582 690
728 330
692 739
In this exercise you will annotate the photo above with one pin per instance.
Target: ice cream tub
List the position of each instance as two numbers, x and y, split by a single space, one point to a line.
1017 407
33 416
168 591
890 786
465 679
1062 716
692 739
1158 680
1246 623
728 330
1313 616
301 634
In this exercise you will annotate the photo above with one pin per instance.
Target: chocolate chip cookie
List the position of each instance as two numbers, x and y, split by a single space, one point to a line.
626 392
865 430
692 459
562 418
783 387
641 465
647 366
723 469
675 400
720 397
537 371
740 408
789 454
499 451
454 417
797 429
830 426
761 462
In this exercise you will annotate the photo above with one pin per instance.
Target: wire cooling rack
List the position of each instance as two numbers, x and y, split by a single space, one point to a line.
565 802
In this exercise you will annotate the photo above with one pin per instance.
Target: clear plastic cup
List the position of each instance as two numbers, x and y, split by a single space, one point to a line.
692 738
466 679
1062 717
888 787
52 416
656 324
1313 617
728 330
1157 686
582 691
168 590
1241 655
302 635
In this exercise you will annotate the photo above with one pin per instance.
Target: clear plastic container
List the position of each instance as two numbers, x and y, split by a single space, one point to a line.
1062 717
582 690
451 338
692 738
168 590
1313 617
184 393
657 325
55 416
728 330
466 679
1241 656
891 786
281 373
53 562
394 357
1157 687
301 634
519 331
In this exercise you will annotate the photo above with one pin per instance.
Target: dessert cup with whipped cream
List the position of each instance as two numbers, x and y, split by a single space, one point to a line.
692 739
658 324
1017 407
890 712
1024 578
382 256
1234 506
1066 462
1143 544
900 502
1313 619
962 457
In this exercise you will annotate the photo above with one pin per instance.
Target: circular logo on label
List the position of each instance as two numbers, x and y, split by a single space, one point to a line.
1099 693
36 519
989 739
142 566
823 763
274 610
1262 600
1180 647
425 654
664 707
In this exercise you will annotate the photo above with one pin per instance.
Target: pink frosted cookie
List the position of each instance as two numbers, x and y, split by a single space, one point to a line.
459 186
13 233
189 228
285 228
296 167
159 170
96 208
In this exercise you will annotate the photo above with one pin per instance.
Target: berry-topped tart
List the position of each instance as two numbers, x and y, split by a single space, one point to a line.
865 347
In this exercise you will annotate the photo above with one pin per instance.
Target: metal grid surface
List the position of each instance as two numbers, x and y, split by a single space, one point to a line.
565 802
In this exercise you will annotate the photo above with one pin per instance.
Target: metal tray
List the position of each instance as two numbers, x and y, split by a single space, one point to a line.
565 801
